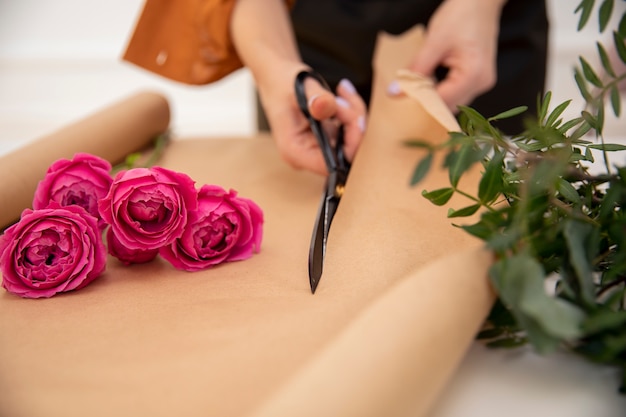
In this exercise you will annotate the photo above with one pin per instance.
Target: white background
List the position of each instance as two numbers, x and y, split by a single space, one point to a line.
60 60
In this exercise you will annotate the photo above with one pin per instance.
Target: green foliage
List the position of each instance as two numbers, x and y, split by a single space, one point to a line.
144 159
558 231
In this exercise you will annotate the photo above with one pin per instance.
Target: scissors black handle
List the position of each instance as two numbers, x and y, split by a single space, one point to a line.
334 157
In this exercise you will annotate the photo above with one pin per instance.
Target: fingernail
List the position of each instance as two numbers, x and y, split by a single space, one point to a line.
312 99
342 102
347 85
361 123
393 88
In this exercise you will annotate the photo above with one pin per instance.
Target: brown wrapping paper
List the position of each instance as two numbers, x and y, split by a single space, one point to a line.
403 293
398 353
112 133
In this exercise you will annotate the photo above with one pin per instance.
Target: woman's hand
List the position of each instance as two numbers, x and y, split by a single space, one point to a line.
462 36
290 129
262 33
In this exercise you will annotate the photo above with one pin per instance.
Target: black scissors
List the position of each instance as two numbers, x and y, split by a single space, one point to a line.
338 168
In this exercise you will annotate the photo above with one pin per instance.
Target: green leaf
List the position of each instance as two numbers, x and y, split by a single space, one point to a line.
577 235
608 147
600 117
480 230
414 143
519 280
461 160
590 118
582 85
589 73
557 317
616 101
422 169
507 343
621 27
620 47
440 196
509 113
606 61
589 155
557 112
586 7
476 119
604 14
581 131
504 241
458 138
610 203
543 106
570 124
464 212
604 320
131 159
567 190
491 184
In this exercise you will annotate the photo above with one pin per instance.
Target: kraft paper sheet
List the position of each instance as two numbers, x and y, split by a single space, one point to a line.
401 298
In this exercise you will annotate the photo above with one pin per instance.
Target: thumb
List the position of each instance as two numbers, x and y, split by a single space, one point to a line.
321 102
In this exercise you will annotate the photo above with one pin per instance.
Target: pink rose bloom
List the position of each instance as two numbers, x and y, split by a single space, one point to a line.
128 256
147 208
51 250
82 181
223 228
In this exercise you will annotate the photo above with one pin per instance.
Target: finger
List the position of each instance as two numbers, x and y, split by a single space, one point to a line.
428 58
464 82
304 154
425 62
353 122
295 141
346 90
321 101
453 90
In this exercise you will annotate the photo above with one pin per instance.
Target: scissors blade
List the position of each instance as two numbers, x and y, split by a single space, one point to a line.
318 248
317 251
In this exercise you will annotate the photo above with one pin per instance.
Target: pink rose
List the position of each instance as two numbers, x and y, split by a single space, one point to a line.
223 228
147 208
82 181
51 250
128 256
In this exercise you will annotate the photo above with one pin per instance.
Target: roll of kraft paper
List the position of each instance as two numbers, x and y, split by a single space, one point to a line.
111 133
396 357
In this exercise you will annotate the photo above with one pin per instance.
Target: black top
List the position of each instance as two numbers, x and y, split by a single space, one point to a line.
336 37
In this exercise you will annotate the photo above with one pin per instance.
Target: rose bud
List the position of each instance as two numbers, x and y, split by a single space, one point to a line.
51 250
223 228
147 208
81 181
128 256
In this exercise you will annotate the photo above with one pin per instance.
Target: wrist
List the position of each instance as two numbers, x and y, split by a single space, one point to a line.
275 82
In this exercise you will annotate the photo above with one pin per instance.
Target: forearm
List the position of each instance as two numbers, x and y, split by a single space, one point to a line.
483 5
262 33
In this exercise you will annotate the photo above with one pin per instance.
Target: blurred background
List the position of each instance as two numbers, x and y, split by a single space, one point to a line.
60 60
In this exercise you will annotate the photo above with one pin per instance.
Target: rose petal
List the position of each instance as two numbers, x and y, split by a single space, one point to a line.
51 250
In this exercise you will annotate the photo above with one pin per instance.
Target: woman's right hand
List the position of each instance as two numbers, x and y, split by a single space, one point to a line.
263 36
290 129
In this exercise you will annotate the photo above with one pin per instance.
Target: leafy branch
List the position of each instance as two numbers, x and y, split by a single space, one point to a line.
546 217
